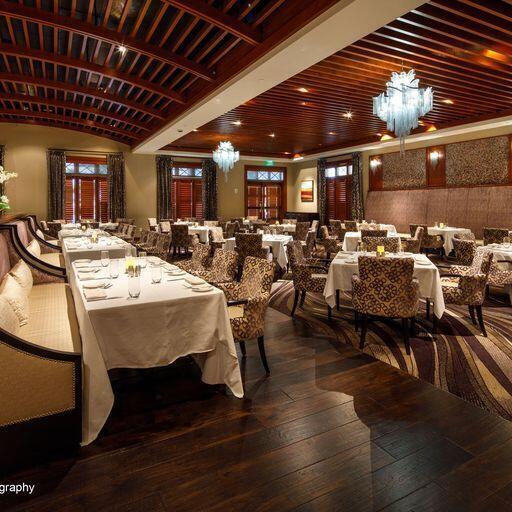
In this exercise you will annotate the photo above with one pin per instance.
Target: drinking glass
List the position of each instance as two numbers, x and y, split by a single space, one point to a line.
142 259
156 274
134 286
114 269
105 258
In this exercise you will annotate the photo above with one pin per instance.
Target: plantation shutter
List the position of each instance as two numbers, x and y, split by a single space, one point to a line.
254 199
273 201
69 210
198 198
103 199
87 199
331 199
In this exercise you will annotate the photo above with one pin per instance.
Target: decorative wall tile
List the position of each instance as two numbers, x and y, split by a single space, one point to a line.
404 171
477 162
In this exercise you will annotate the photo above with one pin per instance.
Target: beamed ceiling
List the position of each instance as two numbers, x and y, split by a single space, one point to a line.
123 68
463 49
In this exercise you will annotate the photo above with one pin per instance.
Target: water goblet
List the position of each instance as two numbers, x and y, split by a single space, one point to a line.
105 258
114 269
134 285
156 273
142 259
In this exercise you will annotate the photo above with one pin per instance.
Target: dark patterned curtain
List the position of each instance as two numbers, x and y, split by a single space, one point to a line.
56 160
163 186
116 189
209 189
321 191
357 206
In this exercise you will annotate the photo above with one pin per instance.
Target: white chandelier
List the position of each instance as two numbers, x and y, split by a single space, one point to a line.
226 157
403 103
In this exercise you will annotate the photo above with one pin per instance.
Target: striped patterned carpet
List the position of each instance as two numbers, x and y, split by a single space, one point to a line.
459 360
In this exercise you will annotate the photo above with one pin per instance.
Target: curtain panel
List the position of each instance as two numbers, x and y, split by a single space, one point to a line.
321 191
164 165
357 203
116 189
209 189
56 161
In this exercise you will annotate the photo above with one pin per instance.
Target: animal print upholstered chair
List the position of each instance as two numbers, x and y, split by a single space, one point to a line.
389 244
198 260
222 269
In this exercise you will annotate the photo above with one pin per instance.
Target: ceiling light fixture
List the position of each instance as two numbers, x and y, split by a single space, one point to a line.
332 133
448 101
237 123
272 135
386 137
434 156
297 157
374 163
402 104
302 89
122 49
348 115
226 157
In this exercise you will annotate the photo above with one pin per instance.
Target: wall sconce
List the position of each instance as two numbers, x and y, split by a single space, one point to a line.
374 163
435 156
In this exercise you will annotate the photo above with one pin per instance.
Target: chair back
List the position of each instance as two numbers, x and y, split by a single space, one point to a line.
163 243
231 229
310 244
381 233
249 244
464 236
494 235
130 229
216 234
151 239
389 244
314 225
152 222
257 276
225 264
350 225
324 232
179 235
164 226
295 254
143 236
290 221
200 255
481 262
414 227
210 223
465 251
301 231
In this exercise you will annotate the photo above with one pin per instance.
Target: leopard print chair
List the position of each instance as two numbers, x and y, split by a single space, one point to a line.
350 225
308 275
216 237
428 242
468 289
149 243
253 293
181 238
495 235
161 248
309 245
500 277
385 288
380 233
144 234
223 268
330 243
465 251
301 231
338 230
198 261
390 244
231 229
413 244
464 236
249 244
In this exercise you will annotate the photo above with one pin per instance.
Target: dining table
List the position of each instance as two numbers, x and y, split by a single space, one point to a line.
502 258
75 248
352 238
390 228
179 316
346 264
448 233
277 244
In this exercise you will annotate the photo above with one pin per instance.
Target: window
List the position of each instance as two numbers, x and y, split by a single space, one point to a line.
339 190
86 189
187 191
265 192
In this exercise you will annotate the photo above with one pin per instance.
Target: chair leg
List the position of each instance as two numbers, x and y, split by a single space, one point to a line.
481 320
364 327
337 300
243 349
302 299
295 301
472 314
405 335
413 327
329 312
428 309
356 320
261 346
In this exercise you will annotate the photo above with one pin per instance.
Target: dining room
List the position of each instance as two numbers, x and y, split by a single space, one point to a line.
255 255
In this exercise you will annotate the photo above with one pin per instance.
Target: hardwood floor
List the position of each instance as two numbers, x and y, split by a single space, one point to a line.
330 429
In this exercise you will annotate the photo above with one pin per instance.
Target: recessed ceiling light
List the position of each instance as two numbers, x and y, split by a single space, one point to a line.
347 115
304 103
122 49
298 156
332 133
237 123
302 89
431 128
195 130
286 153
448 101
272 135
386 137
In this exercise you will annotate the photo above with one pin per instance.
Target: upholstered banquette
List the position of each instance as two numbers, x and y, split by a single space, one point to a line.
40 350
473 208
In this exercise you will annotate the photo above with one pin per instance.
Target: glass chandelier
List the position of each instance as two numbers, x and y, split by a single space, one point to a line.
226 157
403 103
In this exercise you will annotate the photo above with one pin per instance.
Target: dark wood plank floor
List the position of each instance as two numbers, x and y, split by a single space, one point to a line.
330 429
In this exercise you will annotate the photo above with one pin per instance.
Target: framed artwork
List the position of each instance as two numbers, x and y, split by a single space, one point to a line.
306 191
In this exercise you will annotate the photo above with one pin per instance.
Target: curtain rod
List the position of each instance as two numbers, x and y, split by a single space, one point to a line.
85 151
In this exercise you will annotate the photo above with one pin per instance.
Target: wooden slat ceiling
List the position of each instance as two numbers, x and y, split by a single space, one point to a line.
122 68
463 49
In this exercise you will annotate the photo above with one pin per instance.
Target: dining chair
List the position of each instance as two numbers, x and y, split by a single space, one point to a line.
181 239
314 226
500 277
222 269
161 248
247 304
231 229
309 245
465 251
330 243
301 231
413 244
389 244
198 260
350 225
216 237
495 235
307 275
464 236
152 223
290 221
164 226
385 288
338 230
428 242
467 288
249 244
210 223
380 233
149 243
144 233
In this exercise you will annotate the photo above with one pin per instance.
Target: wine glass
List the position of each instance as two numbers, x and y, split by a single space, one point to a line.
114 269
142 259
105 258
134 285
156 274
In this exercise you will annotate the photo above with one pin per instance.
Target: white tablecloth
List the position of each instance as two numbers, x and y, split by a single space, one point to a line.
447 233
341 272
80 248
391 229
201 231
353 237
501 253
276 242
289 228
74 232
166 322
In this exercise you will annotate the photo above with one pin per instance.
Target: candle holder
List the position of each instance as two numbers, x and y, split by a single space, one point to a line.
441 225
381 251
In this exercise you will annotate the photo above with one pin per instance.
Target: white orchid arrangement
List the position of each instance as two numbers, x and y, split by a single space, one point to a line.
4 177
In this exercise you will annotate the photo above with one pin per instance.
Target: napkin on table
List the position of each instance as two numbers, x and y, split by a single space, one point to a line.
94 294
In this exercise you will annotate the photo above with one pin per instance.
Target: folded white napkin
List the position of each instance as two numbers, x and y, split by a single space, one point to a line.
193 280
83 265
95 294
87 276
88 269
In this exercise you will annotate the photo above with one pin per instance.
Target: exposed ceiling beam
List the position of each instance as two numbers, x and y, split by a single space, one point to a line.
219 19
78 89
30 53
98 32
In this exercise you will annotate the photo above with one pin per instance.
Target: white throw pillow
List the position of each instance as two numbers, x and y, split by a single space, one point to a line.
21 272
11 291
8 320
34 248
